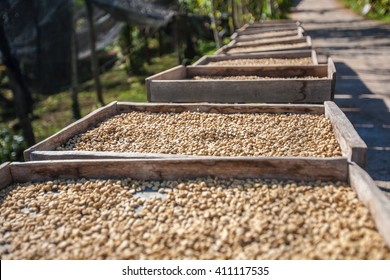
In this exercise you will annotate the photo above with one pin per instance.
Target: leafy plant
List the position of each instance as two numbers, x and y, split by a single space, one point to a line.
12 145
379 9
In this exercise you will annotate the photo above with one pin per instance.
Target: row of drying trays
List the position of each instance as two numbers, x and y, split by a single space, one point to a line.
284 89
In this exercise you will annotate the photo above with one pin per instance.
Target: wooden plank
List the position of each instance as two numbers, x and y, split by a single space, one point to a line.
265 29
271 91
242 38
332 75
75 128
124 107
5 175
67 155
221 50
243 27
277 71
314 57
372 198
227 49
178 72
204 60
280 40
162 169
279 22
233 44
352 146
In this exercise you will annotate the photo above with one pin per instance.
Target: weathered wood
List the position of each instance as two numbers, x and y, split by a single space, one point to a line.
204 60
352 146
300 90
77 127
266 35
372 198
178 72
5 175
278 22
67 155
277 40
278 71
305 39
332 75
271 91
162 169
124 107
227 49
175 72
255 30
315 59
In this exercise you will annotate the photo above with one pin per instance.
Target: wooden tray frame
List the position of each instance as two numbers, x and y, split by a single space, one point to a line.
176 84
204 60
168 169
299 31
246 30
352 146
306 39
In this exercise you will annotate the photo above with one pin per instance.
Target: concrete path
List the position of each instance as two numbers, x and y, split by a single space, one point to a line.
361 51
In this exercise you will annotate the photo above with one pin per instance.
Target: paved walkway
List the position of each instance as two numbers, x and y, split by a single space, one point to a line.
361 51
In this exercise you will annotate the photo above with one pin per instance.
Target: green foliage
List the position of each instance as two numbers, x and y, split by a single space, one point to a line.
131 42
251 9
380 9
202 7
12 145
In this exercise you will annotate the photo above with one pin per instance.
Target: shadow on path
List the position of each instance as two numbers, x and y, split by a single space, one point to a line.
370 117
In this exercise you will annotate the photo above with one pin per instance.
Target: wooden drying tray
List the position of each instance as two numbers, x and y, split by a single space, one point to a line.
269 41
351 145
205 60
261 29
232 45
171 169
269 23
177 84
267 35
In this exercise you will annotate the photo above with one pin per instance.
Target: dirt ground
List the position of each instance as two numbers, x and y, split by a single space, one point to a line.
361 51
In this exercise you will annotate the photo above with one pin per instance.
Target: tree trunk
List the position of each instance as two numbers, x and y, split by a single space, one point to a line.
175 26
146 34
160 36
126 44
239 14
74 73
269 8
94 60
21 93
231 16
261 7
235 16
214 25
